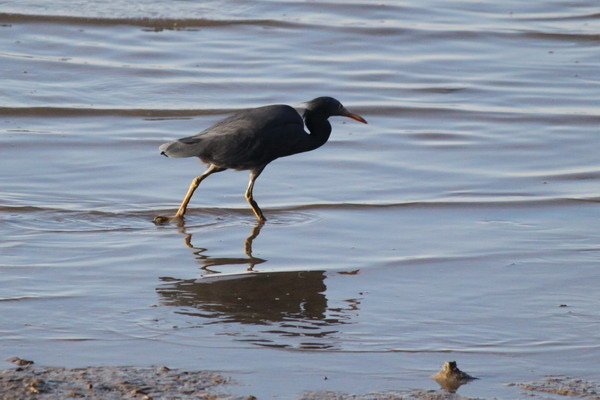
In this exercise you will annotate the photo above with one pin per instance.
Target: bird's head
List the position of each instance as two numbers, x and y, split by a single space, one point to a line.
328 107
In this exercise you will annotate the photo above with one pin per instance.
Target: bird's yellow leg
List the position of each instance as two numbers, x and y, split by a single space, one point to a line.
190 192
250 198
188 196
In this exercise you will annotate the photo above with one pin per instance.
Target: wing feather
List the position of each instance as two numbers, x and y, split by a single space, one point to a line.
244 140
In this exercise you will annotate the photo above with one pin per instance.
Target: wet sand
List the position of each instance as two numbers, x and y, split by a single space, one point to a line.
562 386
32 382
47 383
460 224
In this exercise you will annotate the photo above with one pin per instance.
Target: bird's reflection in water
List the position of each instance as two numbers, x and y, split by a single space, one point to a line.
277 308
207 261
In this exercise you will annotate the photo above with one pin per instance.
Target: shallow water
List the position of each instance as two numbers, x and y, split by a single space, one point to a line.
460 224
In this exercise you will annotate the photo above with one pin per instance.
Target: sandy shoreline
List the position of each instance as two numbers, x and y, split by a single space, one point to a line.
36 382
29 381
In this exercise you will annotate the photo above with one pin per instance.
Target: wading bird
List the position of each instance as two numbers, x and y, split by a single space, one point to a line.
251 139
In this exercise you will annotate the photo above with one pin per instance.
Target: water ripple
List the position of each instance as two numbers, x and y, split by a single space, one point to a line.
496 113
482 199
146 22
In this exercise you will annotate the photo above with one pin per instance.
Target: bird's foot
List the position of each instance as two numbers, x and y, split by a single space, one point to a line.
162 220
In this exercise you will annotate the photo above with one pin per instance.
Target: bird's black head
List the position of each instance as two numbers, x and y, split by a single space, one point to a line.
326 107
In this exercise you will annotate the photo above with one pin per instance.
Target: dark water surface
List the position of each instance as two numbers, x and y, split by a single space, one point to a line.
460 224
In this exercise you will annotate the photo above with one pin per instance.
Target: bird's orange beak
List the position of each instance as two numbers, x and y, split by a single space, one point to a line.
355 117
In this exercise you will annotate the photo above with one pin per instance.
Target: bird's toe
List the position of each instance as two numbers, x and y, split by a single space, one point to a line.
161 220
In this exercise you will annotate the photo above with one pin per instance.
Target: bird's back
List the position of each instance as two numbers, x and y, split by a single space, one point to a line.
245 140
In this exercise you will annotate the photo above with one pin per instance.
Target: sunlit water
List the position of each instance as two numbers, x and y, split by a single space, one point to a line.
460 224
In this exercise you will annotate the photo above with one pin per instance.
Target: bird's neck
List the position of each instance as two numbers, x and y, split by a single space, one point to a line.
319 129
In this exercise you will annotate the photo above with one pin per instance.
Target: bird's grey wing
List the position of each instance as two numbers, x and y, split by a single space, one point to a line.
192 146
244 140
254 139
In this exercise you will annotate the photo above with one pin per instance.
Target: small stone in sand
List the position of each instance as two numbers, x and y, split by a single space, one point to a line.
19 361
450 377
